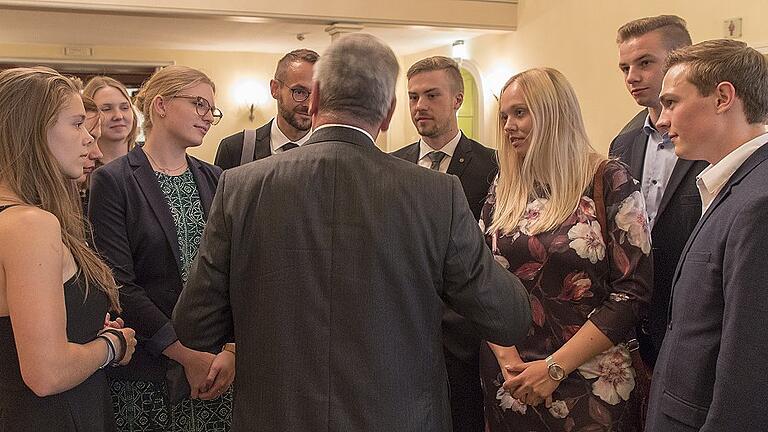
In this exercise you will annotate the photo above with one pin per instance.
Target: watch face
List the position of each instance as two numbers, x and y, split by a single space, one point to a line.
556 372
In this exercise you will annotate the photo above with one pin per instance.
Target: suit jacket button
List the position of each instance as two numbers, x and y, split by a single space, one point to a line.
461 160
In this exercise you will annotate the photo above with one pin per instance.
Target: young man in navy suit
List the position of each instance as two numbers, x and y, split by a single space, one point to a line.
668 183
435 94
711 368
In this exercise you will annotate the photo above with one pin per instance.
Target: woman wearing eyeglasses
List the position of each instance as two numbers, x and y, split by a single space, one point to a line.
148 210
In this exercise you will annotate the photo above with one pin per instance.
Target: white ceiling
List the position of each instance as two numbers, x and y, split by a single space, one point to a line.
207 34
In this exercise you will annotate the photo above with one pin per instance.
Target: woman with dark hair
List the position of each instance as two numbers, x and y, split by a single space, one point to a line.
54 291
148 210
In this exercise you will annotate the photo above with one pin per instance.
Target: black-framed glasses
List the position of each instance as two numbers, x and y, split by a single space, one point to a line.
202 106
299 94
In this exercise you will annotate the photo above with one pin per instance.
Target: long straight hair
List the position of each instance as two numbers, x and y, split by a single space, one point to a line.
30 102
99 82
560 163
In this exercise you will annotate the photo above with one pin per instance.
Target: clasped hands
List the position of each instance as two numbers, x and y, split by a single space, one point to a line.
529 382
209 375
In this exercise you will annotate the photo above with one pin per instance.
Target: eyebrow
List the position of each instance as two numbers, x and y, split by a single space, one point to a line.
80 117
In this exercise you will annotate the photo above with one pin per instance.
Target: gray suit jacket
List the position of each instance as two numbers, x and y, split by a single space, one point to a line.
710 375
329 265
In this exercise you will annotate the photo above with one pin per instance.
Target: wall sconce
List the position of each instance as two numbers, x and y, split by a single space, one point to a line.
459 51
250 93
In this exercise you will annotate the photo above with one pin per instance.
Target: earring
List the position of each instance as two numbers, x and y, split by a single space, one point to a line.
162 115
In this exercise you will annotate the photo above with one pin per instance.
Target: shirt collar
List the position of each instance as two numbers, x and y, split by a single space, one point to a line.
278 139
345 126
714 177
448 149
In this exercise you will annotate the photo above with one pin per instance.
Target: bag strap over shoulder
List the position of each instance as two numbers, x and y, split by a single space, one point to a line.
598 197
249 146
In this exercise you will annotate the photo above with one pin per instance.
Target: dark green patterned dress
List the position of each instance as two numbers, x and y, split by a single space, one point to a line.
143 406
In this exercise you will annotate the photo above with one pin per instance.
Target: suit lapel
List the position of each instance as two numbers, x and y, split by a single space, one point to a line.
145 177
412 152
203 189
461 157
637 155
753 161
263 148
679 172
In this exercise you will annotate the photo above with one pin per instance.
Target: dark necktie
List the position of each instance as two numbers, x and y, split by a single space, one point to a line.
288 146
436 157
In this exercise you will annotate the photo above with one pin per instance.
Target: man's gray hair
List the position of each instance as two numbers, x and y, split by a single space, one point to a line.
357 76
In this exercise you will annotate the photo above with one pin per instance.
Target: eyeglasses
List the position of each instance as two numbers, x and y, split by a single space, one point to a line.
202 106
299 94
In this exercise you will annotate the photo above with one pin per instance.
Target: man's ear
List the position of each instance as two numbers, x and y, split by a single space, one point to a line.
314 98
725 97
274 88
385 123
458 100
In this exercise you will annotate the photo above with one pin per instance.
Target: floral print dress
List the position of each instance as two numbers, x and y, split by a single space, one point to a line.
573 274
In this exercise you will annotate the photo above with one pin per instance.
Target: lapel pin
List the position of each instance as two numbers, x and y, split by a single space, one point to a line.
461 160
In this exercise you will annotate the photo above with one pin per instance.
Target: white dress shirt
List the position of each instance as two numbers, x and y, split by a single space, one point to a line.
277 138
712 179
348 127
660 160
448 149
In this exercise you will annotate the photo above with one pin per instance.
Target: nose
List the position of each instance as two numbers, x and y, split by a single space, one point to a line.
510 125
208 117
664 121
633 75
94 152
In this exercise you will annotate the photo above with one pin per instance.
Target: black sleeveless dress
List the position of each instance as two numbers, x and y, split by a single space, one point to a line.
84 408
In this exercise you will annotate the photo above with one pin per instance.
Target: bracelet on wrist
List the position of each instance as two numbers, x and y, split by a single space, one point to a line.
119 354
110 351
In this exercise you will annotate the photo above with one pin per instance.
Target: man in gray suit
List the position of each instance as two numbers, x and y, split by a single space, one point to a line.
711 368
329 264
290 128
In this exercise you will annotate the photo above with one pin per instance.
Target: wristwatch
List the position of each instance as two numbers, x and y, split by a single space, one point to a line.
229 347
555 371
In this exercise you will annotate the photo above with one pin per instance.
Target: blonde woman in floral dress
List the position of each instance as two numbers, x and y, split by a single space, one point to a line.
573 372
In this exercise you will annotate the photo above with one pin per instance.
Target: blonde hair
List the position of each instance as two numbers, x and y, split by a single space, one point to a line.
99 82
560 163
167 83
31 100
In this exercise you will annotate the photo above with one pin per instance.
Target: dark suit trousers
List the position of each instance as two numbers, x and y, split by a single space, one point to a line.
466 394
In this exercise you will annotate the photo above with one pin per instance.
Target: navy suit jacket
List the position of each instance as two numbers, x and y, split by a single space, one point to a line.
134 232
711 373
678 213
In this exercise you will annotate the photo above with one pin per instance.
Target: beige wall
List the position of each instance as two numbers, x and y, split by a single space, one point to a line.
574 36
224 68
577 37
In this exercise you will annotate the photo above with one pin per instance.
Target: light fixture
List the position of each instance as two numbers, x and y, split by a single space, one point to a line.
459 52
250 93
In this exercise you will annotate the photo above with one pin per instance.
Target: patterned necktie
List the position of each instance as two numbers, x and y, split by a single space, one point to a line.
288 146
436 157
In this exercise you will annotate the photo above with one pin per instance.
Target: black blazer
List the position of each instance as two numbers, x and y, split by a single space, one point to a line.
474 164
230 150
134 232
711 369
328 263
678 213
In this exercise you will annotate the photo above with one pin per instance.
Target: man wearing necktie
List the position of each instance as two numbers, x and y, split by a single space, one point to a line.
435 94
289 128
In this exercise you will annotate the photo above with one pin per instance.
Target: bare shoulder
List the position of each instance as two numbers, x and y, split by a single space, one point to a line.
28 226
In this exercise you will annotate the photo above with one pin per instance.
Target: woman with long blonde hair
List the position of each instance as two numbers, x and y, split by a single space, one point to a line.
54 291
119 121
588 283
148 210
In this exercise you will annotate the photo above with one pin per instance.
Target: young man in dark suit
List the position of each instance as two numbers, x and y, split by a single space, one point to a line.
668 183
329 266
290 128
435 94
712 363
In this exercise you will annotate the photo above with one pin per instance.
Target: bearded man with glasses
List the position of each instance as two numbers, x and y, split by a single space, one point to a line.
290 128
